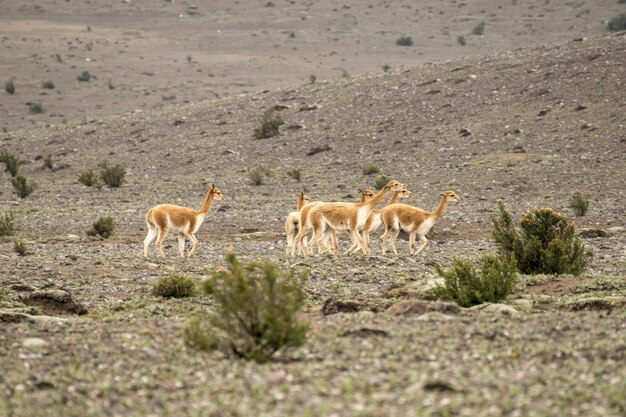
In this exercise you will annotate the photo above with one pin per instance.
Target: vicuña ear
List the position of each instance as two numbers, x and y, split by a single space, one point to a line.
360 191
212 186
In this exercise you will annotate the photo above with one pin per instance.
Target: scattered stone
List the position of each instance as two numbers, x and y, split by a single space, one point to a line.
228 152
333 306
435 316
522 304
365 332
580 107
433 91
615 229
295 126
319 149
280 107
597 303
34 343
592 233
439 386
544 112
73 237
178 122
309 107
504 309
420 307
518 149
22 288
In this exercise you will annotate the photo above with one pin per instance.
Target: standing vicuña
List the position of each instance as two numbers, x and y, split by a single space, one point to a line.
292 223
374 221
185 221
412 220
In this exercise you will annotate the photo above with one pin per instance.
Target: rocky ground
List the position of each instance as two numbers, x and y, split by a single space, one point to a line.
528 127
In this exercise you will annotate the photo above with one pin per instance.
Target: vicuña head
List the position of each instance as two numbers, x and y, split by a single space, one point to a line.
185 221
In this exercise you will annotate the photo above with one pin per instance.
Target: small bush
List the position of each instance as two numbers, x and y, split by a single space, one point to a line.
257 174
579 203
58 58
544 243
618 22
256 315
381 182
461 40
312 78
35 108
295 174
23 187
174 286
3 293
386 67
270 123
84 76
113 176
103 227
371 169
47 85
621 1
110 85
90 179
479 29
404 41
11 162
48 163
19 247
9 87
7 227
467 287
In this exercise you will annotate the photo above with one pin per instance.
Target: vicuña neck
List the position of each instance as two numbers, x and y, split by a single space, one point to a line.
207 203
394 197
300 202
442 206
376 199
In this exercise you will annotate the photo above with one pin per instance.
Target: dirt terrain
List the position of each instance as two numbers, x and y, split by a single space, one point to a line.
528 126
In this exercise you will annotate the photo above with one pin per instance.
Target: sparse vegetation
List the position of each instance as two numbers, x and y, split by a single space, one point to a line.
404 41
9 87
257 308
110 84
48 163
3 293
545 242
312 78
371 169
47 85
58 58
579 203
461 40
35 108
102 227
618 22
19 247
90 179
295 174
84 76
11 162
257 174
386 67
174 286
113 176
479 29
22 187
381 181
7 227
270 124
467 287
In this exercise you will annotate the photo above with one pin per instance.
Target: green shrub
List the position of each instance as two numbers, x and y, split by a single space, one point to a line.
404 41
110 85
84 76
312 78
174 286
7 227
3 293
35 108
579 203
370 169
479 29
295 174
618 22
461 40
386 67
621 1
23 187
256 313
466 286
113 176
90 179
58 58
103 227
544 243
19 247
9 87
11 162
270 123
381 182
257 174
47 85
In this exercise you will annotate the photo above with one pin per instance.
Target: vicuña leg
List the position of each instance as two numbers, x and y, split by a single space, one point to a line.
421 248
159 242
196 244
152 234
181 244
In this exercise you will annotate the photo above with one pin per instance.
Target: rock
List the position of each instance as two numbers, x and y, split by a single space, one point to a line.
295 126
592 233
365 332
309 107
465 132
435 316
504 309
597 303
8 315
21 288
544 112
580 107
279 107
34 343
319 149
615 229
522 304
420 307
72 237
53 302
